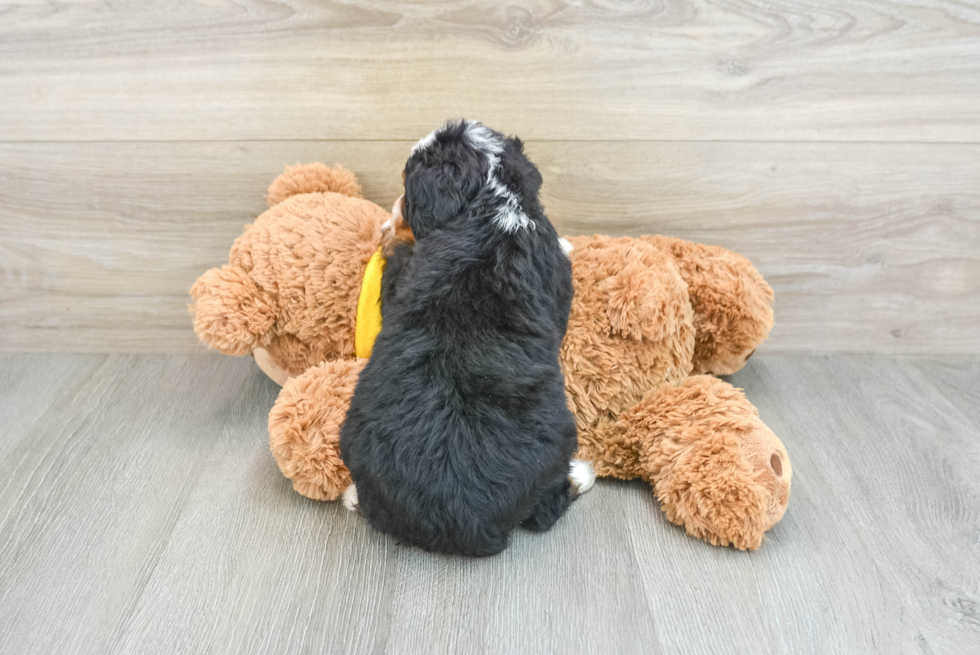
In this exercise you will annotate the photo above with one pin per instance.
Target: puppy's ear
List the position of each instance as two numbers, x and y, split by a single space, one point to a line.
436 193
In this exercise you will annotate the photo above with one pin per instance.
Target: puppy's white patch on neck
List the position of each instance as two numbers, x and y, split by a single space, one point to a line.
510 217
566 246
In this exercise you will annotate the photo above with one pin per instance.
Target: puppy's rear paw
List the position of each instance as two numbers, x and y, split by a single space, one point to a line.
350 499
581 474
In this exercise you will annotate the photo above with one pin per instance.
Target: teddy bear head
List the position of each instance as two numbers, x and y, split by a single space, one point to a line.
289 291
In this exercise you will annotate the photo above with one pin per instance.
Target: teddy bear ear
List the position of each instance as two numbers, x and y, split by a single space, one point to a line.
231 313
312 178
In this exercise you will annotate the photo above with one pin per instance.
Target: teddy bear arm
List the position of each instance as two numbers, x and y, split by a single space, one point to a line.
304 428
634 289
732 303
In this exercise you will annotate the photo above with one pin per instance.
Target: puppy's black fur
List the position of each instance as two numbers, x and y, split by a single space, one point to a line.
459 430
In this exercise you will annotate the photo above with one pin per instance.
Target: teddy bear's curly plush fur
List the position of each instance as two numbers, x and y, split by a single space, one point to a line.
653 320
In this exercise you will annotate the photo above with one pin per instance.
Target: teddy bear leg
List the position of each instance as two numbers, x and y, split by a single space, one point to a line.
716 468
304 428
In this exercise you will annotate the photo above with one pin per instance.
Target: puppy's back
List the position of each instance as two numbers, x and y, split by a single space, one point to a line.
459 423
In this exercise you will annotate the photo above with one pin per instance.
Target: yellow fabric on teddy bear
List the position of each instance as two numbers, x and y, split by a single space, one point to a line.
369 307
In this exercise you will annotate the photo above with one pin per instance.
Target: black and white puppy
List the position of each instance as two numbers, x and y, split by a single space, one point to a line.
459 429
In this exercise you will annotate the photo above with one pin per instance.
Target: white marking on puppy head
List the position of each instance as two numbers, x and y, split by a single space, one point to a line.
510 217
483 139
425 141
350 499
582 475
566 246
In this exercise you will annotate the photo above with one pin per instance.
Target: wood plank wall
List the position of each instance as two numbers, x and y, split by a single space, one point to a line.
835 143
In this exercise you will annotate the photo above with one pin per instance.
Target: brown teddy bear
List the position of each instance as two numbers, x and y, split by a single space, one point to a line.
652 321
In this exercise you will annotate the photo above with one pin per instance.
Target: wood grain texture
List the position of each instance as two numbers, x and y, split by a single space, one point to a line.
956 379
814 70
141 511
869 247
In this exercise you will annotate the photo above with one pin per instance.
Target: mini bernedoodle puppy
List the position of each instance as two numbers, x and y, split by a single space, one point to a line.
459 430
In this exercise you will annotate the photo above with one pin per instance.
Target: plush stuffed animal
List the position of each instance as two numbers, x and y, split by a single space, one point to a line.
653 320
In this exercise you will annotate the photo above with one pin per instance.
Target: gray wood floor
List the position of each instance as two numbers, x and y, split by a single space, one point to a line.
141 511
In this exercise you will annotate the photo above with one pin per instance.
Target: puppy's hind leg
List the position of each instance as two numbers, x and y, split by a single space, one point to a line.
351 503
582 476
554 501
551 505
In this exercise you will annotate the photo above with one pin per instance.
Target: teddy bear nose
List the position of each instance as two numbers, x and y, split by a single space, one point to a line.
776 464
